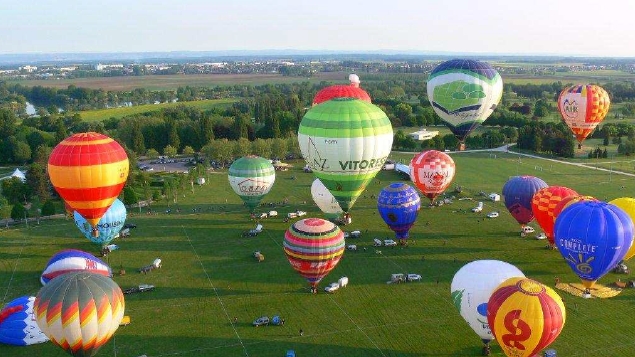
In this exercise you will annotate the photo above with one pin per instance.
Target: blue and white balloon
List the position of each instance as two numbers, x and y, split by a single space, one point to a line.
18 325
108 227
72 260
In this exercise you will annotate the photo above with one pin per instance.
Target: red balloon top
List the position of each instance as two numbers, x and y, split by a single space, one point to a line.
340 91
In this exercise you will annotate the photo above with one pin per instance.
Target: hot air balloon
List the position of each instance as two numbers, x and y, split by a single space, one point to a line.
567 201
432 172
518 193
252 177
543 205
627 204
88 170
525 316
109 225
342 91
17 323
583 107
464 93
79 311
398 205
345 142
313 246
71 260
593 237
325 200
472 287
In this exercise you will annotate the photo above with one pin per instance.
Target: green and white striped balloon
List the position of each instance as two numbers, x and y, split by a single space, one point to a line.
345 141
251 177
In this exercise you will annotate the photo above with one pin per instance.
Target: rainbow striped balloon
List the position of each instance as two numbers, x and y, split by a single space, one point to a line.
314 247
88 170
79 311
525 316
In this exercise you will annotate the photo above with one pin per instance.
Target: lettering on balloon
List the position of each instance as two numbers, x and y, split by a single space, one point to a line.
91 264
570 108
518 328
251 187
575 245
362 164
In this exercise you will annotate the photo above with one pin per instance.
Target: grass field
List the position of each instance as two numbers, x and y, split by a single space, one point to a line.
209 275
102 114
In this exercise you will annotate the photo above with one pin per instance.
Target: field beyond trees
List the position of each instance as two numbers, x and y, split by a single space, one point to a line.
209 276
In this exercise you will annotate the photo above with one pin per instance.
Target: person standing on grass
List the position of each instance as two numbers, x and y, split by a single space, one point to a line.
301 332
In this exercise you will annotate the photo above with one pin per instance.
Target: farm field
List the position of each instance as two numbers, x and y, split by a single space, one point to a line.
103 114
209 275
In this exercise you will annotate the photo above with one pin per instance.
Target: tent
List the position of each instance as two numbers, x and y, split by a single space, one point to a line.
19 174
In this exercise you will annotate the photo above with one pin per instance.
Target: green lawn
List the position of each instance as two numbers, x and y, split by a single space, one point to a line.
209 275
102 114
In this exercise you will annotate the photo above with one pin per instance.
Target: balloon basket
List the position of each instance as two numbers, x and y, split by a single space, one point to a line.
598 291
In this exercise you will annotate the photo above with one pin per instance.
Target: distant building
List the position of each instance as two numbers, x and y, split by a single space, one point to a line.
424 134
28 68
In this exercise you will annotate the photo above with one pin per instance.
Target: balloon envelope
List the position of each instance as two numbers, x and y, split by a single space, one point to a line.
567 201
583 107
525 316
464 93
17 323
518 192
340 91
544 203
325 200
345 142
313 247
398 206
88 170
79 311
432 172
252 177
109 225
472 287
627 204
593 237
72 260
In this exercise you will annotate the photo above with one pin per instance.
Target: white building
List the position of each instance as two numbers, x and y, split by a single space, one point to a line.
423 134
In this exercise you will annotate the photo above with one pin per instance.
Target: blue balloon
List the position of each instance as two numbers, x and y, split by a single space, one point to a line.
399 205
109 225
518 192
593 237
18 326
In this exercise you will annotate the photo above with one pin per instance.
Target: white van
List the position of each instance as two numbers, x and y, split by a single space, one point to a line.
478 208
526 230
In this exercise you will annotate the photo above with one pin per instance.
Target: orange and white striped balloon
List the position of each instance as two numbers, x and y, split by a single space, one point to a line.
525 316
88 170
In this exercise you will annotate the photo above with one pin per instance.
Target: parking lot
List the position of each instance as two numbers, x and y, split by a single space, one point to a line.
166 165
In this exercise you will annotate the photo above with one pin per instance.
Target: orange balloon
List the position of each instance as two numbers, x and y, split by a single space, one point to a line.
543 204
583 107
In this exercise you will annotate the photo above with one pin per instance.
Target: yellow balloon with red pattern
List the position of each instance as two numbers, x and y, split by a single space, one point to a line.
88 170
525 316
583 107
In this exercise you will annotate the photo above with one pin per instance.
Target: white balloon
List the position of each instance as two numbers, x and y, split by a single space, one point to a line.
472 287
324 199
354 79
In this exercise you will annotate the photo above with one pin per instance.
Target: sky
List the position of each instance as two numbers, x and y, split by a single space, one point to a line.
540 27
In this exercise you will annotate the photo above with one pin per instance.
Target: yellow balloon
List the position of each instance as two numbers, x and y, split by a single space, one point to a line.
627 205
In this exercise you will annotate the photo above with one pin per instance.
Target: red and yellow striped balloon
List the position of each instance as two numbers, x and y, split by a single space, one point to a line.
544 203
314 246
525 316
88 170
79 311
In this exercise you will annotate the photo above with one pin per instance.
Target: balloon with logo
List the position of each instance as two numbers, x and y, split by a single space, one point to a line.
342 91
345 142
325 200
432 172
627 204
472 287
79 311
251 177
70 260
398 205
543 205
525 316
583 107
518 192
17 323
464 93
593 237
109 225
313 247
88 170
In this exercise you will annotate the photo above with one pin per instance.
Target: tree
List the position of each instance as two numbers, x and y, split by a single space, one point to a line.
242 147
37 180
403 111
152 153
169 151
138 142
173 134
18 212
5 210
7 123
21 152
129 196
188 150
42 154
48 208
261 148
60 133
15 190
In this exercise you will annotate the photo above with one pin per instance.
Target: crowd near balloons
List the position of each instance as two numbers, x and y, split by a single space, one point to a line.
345 141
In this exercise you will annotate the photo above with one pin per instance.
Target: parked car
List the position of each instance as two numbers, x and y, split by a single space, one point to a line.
390 243
351 247
492 215
139 289
527 229
129 226
413 277
261 321
332 287
376 242
541 236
